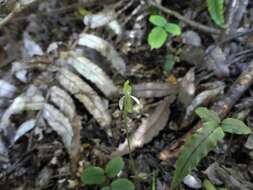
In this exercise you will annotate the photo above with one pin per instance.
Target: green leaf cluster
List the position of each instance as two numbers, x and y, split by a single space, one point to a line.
204 140
158 35
216 10
94 175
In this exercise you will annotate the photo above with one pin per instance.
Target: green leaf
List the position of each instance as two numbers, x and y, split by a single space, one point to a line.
196 148
207 115
122 184
157 37
93 176
216 10
235 126
170 61
172 28
208 185
114 167
127 101
157 20
106 188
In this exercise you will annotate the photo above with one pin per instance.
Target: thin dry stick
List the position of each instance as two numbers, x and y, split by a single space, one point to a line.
17 8
222 107
191 23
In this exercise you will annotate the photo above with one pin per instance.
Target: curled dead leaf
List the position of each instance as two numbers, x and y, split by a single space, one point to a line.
149 127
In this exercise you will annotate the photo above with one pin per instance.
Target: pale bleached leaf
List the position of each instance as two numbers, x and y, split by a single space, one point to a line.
99 19
85 94
23 129
216 61
149 128
106 49
93 73
63 101
116 27
59 123
31 48
154 90
31 100
187 88
7 90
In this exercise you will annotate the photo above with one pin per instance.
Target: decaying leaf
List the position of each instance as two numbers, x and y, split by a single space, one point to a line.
7 90
202 98
149 127
99 19
85 94
63 101
31 100
154 90
187 88
216 61
59 123
93 73
103 47
23 129
31 48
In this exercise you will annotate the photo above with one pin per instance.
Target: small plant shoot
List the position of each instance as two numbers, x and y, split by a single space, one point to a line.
205 140
159 34
94 175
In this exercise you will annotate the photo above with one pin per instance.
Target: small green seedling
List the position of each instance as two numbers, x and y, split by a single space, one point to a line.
204 140
94 175
159 34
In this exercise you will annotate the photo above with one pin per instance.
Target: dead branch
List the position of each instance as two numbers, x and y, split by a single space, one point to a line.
191 23
222 107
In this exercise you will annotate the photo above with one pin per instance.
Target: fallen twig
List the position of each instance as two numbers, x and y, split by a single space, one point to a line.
17 9
191 23
222 107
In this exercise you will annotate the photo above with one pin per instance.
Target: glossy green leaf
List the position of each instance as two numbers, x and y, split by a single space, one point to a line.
157 20
207 115
157 37
196 148
122 184
114 166
106 188
170 61
216 10
235 126
93 176
172 28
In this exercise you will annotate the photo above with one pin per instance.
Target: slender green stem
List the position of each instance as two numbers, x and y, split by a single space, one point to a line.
125 118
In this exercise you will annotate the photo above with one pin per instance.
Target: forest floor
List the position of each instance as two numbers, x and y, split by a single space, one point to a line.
63 64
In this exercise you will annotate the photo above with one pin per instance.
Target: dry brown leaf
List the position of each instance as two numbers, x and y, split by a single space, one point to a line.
149 127
93 73
85 94
75 147
154 90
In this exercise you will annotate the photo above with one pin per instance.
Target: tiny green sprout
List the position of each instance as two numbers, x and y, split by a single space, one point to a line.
159 34
94 175
126 104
